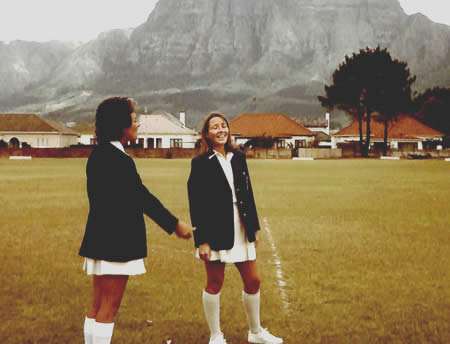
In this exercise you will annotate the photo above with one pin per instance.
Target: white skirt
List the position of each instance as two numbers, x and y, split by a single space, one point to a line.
102 267
242 250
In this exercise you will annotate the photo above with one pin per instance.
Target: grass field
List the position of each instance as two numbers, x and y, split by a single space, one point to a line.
363 249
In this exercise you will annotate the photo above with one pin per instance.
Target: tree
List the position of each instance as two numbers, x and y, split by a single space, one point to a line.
394 90
346 93
432 108
367 82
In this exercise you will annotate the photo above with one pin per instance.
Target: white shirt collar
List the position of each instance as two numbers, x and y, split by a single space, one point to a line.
118 145
227 157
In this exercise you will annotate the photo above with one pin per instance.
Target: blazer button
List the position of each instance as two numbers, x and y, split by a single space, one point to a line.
237 189
241 203
244 214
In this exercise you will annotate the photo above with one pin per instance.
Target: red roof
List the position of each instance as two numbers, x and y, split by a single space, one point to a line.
267 124
405 127
31 123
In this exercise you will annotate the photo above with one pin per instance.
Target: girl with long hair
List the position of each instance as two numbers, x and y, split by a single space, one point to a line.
223 210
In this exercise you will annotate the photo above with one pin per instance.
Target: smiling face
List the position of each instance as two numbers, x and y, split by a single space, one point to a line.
218 132
130 134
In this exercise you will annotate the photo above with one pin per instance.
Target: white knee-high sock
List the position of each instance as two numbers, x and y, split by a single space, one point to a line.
211 306
88 330
251 304
103 333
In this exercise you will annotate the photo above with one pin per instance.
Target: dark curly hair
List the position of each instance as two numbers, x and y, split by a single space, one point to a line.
112 116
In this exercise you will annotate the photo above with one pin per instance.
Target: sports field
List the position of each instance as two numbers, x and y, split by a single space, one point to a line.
351 251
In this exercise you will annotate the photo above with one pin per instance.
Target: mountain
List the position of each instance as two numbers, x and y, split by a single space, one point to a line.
26 65
229 55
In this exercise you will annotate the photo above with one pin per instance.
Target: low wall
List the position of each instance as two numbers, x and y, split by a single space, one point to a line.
438 154
351 150
268 153
319 153
251 153
165 153
83 152
4 153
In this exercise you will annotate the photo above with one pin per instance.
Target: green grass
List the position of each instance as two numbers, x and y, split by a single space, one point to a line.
364 247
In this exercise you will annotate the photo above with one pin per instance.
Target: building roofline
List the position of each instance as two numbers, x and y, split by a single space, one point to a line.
38 132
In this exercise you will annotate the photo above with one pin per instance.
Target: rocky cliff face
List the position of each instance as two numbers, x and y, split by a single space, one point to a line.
25 65
93 61
292 40
234 55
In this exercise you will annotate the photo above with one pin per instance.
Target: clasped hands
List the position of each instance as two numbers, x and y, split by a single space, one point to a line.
184 230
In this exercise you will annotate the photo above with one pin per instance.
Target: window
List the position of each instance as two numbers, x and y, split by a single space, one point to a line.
300 143
176 143
430 145
281 143
42 142
379 146
407 146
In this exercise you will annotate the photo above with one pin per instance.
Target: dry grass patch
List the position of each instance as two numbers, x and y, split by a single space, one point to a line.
363 245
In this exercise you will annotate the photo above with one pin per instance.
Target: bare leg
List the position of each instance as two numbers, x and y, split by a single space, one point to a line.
96 298
215 274
250 276
111 291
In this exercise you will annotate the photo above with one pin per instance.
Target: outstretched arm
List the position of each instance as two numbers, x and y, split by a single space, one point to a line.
154 209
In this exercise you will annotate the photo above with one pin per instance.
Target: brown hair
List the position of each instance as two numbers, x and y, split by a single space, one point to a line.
206 143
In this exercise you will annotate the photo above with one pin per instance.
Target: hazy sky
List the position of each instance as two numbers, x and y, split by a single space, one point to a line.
83 20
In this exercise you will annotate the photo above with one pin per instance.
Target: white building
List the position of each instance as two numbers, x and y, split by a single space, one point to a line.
405 133
249 127
86 139
86 132
20 129
160 129
322 131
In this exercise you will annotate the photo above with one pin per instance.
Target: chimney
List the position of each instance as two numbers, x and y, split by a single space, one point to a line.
183 118
327 117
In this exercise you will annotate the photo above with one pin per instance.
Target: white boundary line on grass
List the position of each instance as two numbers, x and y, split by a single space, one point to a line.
277 262
19 157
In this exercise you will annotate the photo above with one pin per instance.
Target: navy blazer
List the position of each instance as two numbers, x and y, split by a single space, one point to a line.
211 201
115 229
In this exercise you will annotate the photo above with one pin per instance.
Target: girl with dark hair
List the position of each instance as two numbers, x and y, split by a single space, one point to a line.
115 242
223 210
